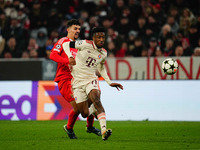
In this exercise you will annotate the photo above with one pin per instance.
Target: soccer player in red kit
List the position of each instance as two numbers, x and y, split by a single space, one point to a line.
63 78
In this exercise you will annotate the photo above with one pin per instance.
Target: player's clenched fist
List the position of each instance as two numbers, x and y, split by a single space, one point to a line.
72 61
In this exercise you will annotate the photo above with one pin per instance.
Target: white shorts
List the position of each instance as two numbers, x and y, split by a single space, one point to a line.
81 93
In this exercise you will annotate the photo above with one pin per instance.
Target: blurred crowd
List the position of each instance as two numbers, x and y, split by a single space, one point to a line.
135 28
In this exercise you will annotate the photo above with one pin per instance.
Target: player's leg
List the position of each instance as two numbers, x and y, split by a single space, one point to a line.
94 96
90 121
82 103
66 91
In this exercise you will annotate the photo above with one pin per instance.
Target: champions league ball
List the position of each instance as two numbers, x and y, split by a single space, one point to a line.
169 66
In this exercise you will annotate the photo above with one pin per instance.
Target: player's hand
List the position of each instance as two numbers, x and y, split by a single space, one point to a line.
70 67
117 85
72 61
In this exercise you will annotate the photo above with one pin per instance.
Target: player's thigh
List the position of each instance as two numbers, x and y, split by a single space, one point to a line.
65 89
93 91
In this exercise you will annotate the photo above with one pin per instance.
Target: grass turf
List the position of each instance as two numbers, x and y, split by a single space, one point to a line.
127 135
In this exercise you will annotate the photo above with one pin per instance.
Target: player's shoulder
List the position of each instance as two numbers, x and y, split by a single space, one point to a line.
62 40
104 51
89 41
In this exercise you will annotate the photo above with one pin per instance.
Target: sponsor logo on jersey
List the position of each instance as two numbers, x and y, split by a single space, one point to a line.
75 98
56 50
99 56
58 46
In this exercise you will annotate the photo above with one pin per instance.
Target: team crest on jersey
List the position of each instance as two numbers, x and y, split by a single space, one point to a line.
58 46
99 56
75 98
79 42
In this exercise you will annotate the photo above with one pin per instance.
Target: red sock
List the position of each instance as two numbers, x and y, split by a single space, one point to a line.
71 120
90 121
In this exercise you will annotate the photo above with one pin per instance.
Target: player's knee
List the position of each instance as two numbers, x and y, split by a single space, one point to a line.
85 113
97 103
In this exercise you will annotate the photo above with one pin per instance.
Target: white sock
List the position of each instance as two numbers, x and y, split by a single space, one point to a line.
92 110
102 121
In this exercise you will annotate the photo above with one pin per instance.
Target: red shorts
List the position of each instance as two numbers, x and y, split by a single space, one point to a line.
65 89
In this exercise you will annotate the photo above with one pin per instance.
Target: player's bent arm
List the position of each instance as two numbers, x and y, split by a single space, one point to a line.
79 44
66 48
57 58
103 73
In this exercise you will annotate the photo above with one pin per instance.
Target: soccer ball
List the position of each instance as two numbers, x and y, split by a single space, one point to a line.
169 66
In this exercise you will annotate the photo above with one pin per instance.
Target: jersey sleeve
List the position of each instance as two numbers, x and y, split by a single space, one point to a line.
103 72
57 58
55 54
80 44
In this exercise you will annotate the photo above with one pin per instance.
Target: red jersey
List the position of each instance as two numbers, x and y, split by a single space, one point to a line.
58 55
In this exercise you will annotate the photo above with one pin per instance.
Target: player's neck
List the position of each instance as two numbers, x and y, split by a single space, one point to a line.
71 38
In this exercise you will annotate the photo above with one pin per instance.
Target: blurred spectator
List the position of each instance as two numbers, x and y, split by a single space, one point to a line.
196 51
118 10
4 24
113 36
169 49
165 34
62 30
153 23
174 13
53 20
2 45
141 26
173 24
48 51
123 27
85 27
12 48
158 52
152 47
193 36
32 45
179 51
33 48
136 52
186 47
25 55
37 15
135 11
7 55
122 51
54 36
111 48
158 14
14 30
49 45
42 36
146 8
131 38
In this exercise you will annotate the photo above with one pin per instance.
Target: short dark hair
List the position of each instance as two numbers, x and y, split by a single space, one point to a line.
73 22
98 29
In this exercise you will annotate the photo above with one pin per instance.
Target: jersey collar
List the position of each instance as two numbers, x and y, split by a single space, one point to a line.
95 47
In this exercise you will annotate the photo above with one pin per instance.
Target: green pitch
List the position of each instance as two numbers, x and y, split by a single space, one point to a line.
127 135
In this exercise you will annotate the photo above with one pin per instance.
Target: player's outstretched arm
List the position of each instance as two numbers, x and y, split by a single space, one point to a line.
117 85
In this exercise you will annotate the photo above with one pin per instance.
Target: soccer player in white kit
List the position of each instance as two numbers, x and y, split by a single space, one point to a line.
90 57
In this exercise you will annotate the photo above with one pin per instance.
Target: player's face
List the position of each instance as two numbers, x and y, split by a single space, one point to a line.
73 32
99 39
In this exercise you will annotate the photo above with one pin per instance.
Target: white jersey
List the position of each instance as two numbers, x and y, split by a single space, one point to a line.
87 60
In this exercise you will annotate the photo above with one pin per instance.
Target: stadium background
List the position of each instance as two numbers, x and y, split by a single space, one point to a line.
141 34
